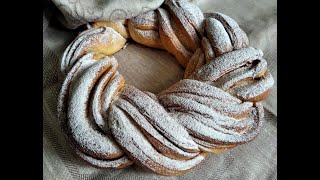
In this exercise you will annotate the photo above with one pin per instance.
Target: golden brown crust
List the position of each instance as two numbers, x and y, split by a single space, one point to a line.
170 40
192 63
260 97
201 61
157 168
141 151
184 40
186 34
208 51
160 143
117 26
246 83
196 61
105 44
212 150
117 163
213 146
146 21
149 38
164 150
167 133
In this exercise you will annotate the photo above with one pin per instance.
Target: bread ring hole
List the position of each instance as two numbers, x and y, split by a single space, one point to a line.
148 69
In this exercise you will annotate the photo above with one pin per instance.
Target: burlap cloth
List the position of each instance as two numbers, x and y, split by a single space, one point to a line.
155 70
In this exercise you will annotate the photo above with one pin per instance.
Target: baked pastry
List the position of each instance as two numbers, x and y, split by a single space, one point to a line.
144 29
216 107
102 41
119 26
92 143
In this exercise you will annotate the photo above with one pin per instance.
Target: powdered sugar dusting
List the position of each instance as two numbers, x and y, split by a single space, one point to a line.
165 132
164 21
83 43
103 163
191 106
96 103
238 38
165 146
212 145
182 22
76 70
159 118
248 71
109 93
208 118
148 34
182 37
218 36
83 132
133 140
225 108
257 88
206 133
151 95
146 21
226 63
108 36
201 89
68 58
193 14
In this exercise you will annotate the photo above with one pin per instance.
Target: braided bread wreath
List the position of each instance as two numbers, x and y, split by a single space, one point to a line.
214 108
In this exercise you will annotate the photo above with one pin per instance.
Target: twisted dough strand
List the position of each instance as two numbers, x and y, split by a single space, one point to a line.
215 108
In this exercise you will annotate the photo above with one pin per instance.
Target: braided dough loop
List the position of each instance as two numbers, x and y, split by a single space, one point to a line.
215 107
93 145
